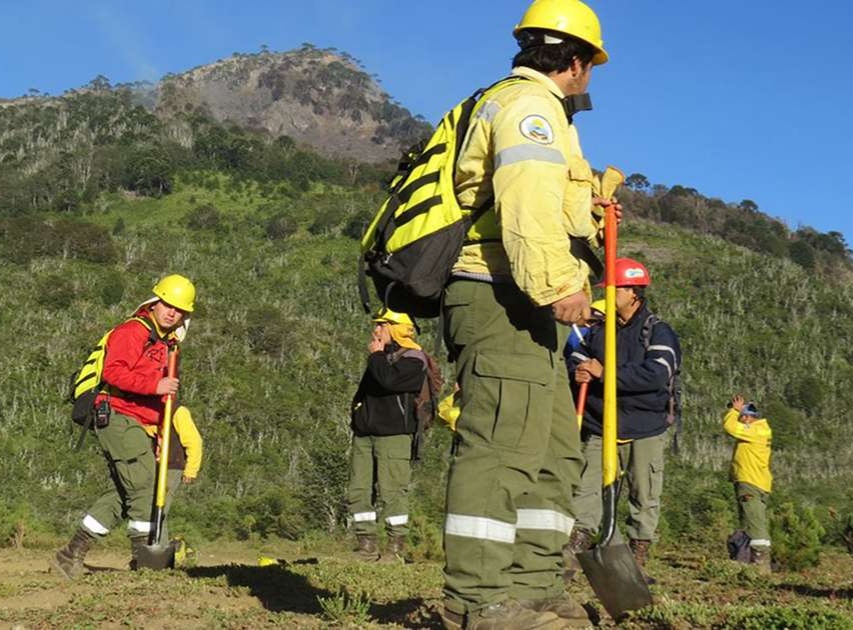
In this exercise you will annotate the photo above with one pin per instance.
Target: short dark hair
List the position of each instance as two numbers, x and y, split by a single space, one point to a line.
548 58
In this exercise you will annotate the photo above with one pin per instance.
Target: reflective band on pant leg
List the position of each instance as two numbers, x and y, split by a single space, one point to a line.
363 517
400 519
759 542
139 527
479 527
91 525
544 519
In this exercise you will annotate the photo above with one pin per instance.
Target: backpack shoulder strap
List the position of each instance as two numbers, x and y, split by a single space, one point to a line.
411 353
462 131
648 326
149 325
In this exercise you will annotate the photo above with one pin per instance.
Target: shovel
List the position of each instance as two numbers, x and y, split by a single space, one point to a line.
612 570
156 555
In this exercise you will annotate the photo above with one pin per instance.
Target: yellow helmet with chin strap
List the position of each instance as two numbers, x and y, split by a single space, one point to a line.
386 315
176 291
567 17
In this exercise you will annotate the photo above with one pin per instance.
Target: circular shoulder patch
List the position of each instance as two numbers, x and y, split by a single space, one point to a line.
537 128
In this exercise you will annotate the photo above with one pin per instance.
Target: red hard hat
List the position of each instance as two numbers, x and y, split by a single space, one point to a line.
630 273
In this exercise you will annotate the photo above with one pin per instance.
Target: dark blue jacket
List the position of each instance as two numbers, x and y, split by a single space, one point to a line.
642 377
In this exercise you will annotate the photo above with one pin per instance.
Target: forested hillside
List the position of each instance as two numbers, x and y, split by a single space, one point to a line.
100 196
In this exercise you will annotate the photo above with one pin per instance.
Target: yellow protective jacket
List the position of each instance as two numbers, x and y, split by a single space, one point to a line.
191 445
751 457
522 150
190 438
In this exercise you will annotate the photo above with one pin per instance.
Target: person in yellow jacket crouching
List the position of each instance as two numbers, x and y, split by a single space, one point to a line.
750 472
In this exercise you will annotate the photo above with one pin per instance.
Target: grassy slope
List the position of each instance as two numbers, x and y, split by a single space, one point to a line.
276 349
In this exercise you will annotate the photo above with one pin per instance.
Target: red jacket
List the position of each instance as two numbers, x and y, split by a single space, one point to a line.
132 367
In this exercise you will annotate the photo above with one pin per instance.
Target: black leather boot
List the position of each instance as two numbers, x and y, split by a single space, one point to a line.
69 560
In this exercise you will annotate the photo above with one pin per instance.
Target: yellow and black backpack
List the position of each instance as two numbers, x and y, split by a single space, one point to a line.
415 238
87 381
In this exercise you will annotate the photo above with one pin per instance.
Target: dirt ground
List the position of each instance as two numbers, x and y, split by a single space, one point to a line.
326 586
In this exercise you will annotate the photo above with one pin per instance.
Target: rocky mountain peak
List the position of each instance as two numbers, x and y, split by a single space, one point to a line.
318 97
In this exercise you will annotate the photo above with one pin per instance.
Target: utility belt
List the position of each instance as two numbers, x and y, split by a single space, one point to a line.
98 418
578 246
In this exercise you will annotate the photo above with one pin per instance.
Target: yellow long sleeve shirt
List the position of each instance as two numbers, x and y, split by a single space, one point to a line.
521 149
190 439
751 457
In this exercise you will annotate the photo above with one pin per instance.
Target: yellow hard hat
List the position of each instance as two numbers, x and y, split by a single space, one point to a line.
569 17
176 291
392 317
600 306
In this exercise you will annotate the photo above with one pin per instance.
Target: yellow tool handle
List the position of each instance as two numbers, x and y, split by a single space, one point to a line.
165 434
609 430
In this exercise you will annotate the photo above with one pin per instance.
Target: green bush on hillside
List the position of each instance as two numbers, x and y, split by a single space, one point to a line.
111 288
205 217
55 292
280 226
796 534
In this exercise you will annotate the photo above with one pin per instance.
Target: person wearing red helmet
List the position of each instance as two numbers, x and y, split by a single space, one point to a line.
648 357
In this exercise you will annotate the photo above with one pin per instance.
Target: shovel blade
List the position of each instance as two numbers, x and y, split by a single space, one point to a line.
616 579
156 557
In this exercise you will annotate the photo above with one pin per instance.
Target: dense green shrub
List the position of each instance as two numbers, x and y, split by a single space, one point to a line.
112 287
787 424
24 238
276 512
280 227
796 534
807 393
327 220
205 217
55 292
803 254
269 332
357 224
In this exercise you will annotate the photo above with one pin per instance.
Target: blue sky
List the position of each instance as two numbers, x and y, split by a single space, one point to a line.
738 99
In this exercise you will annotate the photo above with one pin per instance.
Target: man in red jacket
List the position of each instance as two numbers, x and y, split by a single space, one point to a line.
127 413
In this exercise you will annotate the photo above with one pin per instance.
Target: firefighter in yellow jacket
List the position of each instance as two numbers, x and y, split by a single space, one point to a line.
750 472
519 283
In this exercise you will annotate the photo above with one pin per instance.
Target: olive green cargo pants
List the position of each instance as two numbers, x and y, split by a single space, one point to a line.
128 451
642 464
517 452
752 513
380 472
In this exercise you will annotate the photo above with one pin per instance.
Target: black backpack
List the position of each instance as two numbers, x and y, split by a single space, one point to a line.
425 402
415 237
675 407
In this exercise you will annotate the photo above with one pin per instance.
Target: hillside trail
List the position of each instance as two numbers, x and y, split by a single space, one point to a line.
327 586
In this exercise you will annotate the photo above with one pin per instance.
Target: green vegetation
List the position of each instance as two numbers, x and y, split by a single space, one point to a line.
276 349
742 224
268 231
